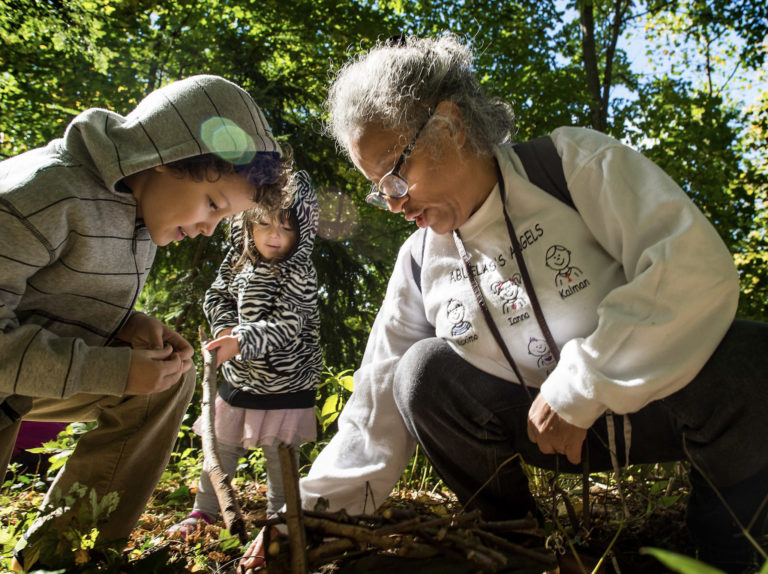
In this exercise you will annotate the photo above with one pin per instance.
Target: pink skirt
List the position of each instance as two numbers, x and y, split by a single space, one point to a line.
254 427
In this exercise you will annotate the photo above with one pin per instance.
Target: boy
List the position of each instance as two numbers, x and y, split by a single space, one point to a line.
81 220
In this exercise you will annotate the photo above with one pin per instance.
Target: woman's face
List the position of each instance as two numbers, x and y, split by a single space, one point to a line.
442 192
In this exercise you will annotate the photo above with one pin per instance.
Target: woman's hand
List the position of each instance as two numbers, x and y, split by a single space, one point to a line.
254 557
552 433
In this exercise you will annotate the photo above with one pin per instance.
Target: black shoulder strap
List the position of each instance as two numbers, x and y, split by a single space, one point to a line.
417 255
544 168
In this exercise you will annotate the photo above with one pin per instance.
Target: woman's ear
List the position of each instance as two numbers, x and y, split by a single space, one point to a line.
454 120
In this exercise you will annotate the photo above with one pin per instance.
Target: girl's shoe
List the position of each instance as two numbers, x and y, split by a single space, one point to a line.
188 525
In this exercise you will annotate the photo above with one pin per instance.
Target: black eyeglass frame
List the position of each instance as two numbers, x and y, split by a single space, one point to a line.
377 196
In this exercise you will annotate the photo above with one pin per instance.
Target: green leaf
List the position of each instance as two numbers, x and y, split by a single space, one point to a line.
680 563
330 410
227 541
667 501
347 382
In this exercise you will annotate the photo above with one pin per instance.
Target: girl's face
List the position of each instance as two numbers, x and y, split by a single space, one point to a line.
274 238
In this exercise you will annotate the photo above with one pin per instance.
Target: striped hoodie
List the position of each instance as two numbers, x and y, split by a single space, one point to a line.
273 312
73 257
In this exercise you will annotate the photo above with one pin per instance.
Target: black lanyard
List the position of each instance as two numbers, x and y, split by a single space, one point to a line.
518 254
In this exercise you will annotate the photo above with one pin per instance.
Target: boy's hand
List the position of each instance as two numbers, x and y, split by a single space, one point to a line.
144 332
226 345
153 370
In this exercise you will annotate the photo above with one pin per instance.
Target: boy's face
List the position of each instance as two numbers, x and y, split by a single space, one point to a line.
174 206
273 238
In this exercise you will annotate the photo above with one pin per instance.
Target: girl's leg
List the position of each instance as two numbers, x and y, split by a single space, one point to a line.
205 500
275 487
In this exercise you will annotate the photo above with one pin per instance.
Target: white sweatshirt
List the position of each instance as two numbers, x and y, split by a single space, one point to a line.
636 287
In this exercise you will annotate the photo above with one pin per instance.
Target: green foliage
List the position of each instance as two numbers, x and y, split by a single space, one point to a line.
692 136
60 448
67 529
419 475
680 563
332 394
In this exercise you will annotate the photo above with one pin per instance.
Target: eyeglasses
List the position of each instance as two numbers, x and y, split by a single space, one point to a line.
392 185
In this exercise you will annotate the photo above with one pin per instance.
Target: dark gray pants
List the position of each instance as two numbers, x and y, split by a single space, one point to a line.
469 422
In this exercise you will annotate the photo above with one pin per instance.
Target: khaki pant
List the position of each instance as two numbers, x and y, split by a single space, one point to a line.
126 453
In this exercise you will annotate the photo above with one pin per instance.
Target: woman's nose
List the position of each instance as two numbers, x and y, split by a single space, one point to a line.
396 203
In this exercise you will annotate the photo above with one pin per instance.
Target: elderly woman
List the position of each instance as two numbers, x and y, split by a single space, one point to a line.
626 306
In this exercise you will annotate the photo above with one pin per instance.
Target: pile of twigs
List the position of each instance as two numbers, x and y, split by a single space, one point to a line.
316 539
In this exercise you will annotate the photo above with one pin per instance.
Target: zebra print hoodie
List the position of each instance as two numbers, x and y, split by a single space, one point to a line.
73 257
273 312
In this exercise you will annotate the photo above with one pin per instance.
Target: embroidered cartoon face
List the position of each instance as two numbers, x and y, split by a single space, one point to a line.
455 311
511 293
558 257
507 289
537 347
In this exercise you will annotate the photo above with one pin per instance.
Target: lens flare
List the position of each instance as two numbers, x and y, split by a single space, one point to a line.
338 214
227 140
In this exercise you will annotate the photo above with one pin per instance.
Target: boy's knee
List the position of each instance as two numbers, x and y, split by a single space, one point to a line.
188 381
179 395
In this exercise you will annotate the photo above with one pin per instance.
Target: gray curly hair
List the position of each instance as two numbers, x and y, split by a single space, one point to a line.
398 84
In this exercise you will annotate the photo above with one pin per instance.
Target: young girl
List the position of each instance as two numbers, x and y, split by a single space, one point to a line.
263 312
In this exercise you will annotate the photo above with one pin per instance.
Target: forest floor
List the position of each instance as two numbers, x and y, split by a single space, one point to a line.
648 511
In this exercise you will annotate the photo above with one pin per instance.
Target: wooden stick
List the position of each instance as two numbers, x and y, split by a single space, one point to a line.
222 484
297 537
512 548
528 525
330 549
359 533
420 524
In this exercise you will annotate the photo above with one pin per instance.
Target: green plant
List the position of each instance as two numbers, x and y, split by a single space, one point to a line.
333 393
680 563
419 475
63 445
68 527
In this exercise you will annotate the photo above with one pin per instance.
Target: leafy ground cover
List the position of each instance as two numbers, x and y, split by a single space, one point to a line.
647 511
624 526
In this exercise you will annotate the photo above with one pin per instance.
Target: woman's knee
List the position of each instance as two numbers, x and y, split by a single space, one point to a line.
420 375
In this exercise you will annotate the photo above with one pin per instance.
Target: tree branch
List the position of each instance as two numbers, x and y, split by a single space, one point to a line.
294 519
222 485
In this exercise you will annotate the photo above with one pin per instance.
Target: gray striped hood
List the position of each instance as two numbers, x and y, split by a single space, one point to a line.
171 124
